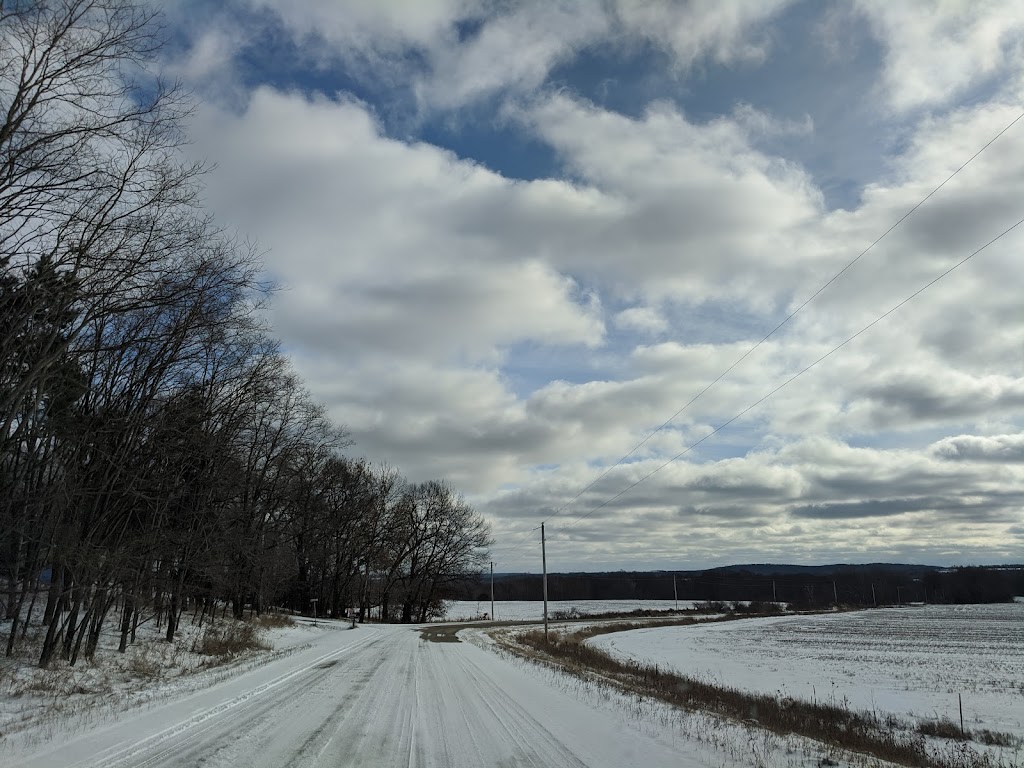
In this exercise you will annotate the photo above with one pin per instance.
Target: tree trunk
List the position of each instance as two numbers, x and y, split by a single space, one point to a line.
55 593
72 625
127 609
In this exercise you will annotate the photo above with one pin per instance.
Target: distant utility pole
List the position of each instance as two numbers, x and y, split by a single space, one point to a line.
544 565
835 594
874 598
366 591
775 596
313 600
899 599
492 590
675 591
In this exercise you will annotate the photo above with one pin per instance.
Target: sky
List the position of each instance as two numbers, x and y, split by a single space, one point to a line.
515 239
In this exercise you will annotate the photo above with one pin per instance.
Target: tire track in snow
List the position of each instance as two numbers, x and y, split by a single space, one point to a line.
527 731
391 700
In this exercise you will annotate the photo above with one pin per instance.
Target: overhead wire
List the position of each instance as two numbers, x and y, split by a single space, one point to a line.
759 343
797 375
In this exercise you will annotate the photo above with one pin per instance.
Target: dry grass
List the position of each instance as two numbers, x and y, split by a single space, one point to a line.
275 620
943 728
144 666
232 639
996 738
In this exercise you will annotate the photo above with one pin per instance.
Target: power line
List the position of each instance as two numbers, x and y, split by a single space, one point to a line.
797 375
765 338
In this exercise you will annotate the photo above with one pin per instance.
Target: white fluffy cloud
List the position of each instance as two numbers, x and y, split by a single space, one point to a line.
644 319
701 212
519 336
936 51
367 234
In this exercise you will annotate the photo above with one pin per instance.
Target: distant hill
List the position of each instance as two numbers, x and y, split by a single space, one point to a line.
804 585
770 569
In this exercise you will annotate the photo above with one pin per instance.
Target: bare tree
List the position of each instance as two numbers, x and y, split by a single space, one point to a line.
155 446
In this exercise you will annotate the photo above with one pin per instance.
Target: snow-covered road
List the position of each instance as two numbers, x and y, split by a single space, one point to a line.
376 696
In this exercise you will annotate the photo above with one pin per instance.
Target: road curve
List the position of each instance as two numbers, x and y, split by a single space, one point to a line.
378 696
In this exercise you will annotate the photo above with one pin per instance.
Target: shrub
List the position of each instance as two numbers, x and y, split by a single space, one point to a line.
996 738
944 728
571 613
711 606
761 607
274 620
231 639
142 665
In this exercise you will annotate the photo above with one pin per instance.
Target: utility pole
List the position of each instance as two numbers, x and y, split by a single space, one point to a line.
544 565
775 596
899 600
874 598
313 600
675 591
492 590
835 594
366 591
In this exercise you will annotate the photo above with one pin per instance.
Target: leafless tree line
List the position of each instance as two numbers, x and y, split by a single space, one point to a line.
156 450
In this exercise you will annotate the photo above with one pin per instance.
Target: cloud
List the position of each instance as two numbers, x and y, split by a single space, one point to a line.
997 448
413 273
816 497
511 52
937 51
643 319
466 324
375 30
957 398
701 208
756 122
870 508
396 270
457 52
726 32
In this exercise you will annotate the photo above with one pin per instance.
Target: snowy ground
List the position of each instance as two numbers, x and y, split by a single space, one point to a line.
382 696
909 661
36 703
533 610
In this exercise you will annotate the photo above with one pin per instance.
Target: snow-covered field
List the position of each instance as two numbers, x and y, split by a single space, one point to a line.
909 661
533 610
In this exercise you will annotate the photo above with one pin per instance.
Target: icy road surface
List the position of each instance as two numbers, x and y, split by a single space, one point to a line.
375 696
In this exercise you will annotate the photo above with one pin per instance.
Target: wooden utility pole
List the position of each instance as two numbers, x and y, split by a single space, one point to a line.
874 598
492 590
675 591
835 594
775 596
544 565
366 591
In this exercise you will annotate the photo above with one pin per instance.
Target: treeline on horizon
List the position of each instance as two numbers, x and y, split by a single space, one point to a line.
853 585
156 449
